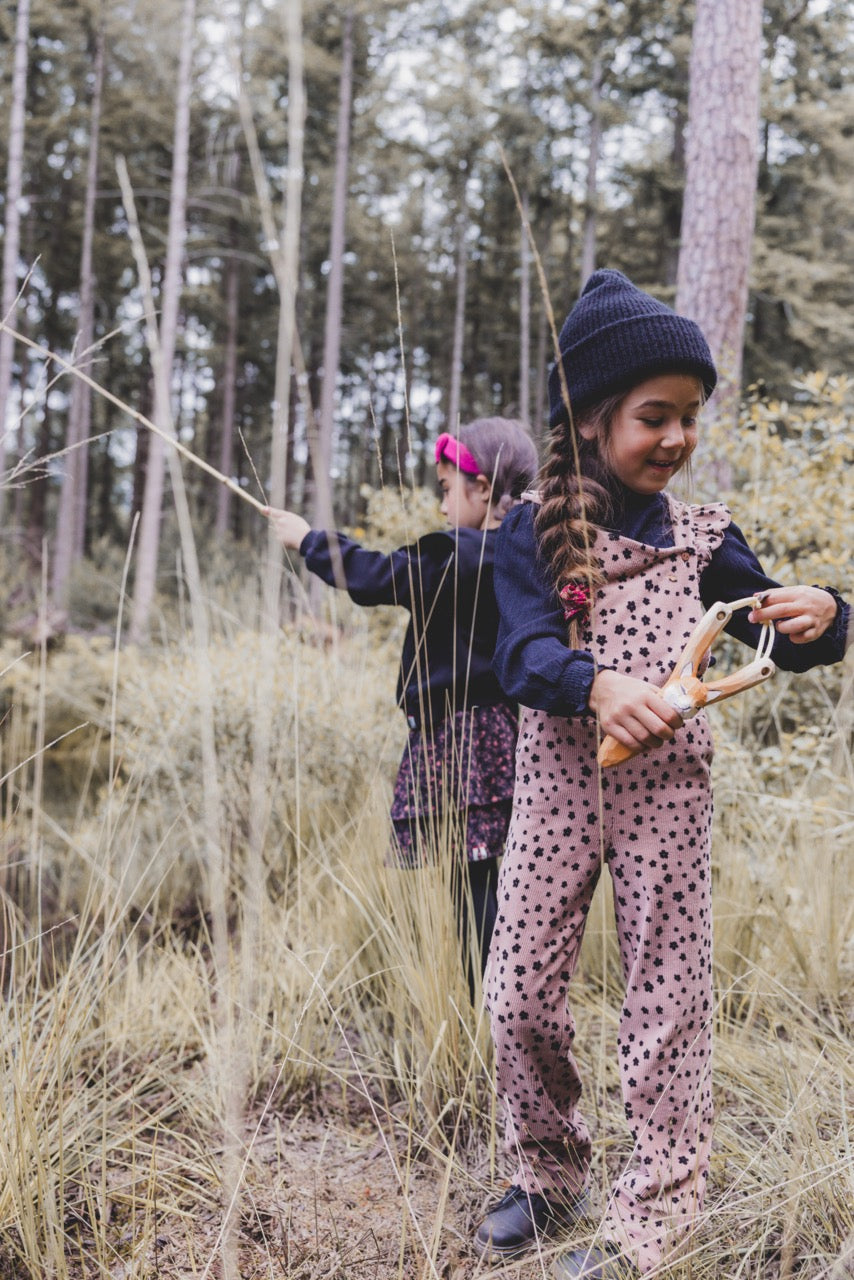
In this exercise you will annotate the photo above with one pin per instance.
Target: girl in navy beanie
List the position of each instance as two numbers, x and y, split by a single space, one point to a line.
599 584
616 336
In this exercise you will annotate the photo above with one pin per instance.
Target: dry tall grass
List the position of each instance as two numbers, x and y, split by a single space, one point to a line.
356 1019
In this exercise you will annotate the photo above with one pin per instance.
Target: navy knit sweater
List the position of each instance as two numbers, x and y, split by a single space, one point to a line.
445 581
533 662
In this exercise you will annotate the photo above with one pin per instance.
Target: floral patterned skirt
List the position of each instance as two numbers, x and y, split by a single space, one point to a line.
455 787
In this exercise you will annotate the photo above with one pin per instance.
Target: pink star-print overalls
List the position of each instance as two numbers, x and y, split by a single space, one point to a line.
649 821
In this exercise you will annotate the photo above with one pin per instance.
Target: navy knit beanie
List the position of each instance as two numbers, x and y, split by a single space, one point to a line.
617 336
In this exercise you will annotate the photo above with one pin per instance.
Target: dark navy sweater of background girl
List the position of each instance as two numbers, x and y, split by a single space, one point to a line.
533 662
445 580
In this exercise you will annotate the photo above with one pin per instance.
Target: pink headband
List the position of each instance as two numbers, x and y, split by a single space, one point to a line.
458 454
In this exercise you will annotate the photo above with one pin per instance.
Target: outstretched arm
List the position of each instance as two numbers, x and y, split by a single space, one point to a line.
288 527
409 576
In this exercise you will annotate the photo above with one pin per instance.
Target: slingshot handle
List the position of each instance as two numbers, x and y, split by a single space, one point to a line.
685 693
683 688
613 752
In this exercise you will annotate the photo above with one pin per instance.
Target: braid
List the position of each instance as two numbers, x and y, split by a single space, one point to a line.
574 503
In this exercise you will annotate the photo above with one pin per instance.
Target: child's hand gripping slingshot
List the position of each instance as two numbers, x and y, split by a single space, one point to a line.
684 689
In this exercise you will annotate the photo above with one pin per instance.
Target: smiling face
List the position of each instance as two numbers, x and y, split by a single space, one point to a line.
465 499
653 432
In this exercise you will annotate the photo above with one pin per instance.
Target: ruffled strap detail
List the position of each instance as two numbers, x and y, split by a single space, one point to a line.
701 526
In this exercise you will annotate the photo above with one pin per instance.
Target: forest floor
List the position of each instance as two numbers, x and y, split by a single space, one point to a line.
340 1203
329 1199
333 1193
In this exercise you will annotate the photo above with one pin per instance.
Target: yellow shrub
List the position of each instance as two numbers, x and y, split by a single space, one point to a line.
792 495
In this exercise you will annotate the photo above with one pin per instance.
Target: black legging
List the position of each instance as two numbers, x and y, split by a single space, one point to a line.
476 899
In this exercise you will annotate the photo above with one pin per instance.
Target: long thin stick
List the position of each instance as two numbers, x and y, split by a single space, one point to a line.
68 367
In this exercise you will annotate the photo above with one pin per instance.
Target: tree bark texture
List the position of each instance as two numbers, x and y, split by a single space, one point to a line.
283 239
149 525
525 316
455 389
12 230
229 390
588 234
335 291
720 185
71 519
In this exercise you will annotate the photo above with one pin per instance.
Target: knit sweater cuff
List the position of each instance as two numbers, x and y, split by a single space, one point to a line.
577 682
839 633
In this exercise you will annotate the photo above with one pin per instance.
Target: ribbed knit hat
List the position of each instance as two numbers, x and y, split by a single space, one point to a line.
617 336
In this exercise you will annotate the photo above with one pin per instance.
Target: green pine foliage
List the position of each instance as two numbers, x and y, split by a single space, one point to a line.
440 94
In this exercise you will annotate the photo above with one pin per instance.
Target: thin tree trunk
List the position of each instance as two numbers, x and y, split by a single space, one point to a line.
12 231
231 1079
588 234
284 259
524 316
668 270
42 442
387 436
29 375
71 519
294 496
145 400
36 516
454 393
88 288
286 266
720 184
541 365
149 528
229 378
322 463
105 525
541 356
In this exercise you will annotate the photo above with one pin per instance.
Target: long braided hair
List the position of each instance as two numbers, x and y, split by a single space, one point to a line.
576 486
575 498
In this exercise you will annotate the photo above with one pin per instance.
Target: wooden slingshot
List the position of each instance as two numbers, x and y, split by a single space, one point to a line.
684 689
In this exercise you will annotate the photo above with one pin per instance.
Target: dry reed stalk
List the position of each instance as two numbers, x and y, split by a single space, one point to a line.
229 1063
69 367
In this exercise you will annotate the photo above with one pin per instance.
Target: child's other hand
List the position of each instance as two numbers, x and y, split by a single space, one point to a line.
288 527
632 711
801 613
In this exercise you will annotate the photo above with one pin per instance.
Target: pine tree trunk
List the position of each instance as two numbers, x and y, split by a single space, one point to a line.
720 185
229 377
149 528
71 519
524 316
37 489
322 462
668 268
23 446
588 234
454 392
41 443
105 522
12 230
541 366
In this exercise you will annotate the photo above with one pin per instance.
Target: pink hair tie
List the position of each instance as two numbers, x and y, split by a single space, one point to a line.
576 602
456 453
